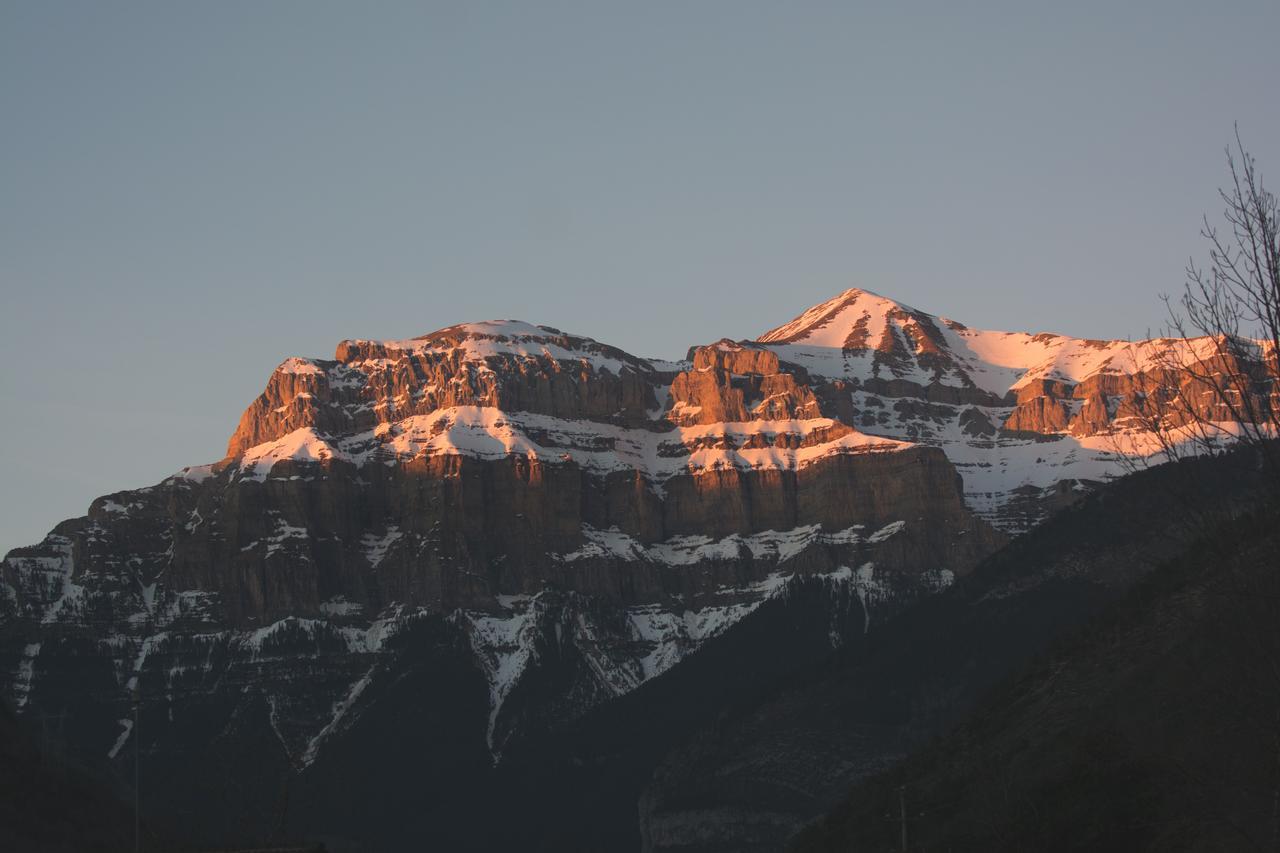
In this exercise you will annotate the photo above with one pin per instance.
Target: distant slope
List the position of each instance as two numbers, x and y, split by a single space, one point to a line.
1156 728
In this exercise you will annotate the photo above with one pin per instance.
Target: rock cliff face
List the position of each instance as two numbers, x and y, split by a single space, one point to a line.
546 523
1027 419
506 365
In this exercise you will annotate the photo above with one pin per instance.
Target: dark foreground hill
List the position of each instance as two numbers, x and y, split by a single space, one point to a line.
751 778
49 806
1155 727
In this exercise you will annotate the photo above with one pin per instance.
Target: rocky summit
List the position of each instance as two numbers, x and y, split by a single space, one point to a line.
502 528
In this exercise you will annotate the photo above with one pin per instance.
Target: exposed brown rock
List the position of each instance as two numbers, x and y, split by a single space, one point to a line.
451 531
730 382
974 422
1108 399
1044 415
370 385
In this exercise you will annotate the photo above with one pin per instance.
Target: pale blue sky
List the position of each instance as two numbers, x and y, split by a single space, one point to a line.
191 192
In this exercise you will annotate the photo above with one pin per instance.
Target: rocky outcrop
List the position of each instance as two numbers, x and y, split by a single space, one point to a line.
510 366
736 383
1106 403
446 532
1020 415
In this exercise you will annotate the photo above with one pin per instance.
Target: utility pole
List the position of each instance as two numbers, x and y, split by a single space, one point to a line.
137 736
902 814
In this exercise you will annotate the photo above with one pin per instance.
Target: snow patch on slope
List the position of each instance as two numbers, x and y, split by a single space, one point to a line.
690 550
487 433
823 341
503 645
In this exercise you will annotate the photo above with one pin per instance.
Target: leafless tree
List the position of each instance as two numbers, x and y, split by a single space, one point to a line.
1216 383
1211 381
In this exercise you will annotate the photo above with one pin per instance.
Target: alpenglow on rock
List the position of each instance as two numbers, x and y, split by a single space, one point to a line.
543 522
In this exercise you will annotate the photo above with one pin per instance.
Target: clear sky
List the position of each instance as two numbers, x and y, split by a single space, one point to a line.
191 192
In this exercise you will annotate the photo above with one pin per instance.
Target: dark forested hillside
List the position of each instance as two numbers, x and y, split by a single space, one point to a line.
1154 727
765 767
49 806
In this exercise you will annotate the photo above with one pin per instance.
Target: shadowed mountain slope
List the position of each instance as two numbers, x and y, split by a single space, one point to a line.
1155 728
50 806
765 767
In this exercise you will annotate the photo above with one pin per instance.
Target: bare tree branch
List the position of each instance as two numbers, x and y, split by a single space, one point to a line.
1211 381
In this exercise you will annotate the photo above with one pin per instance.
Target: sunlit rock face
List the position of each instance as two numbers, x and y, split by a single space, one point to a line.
543 523
1027 419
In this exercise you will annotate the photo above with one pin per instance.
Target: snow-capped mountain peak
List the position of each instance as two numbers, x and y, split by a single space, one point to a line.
840 321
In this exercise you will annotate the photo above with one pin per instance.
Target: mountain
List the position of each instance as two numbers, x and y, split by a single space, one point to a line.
463 546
